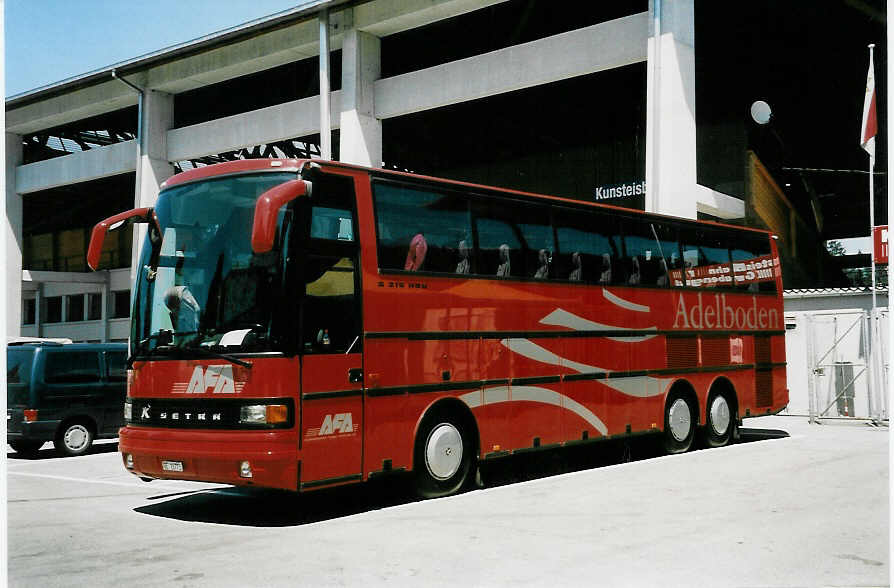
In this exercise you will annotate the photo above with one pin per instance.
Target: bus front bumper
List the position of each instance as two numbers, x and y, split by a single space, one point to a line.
267 459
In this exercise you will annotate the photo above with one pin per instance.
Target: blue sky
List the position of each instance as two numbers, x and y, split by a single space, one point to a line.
48 41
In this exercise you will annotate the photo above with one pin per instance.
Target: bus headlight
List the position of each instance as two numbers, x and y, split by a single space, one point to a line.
128 410
263 414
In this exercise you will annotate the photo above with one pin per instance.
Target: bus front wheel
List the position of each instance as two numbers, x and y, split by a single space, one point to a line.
443 456
679 423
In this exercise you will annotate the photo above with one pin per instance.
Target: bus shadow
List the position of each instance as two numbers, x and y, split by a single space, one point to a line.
750 435
254 507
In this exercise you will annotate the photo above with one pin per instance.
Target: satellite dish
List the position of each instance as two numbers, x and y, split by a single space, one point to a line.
760 112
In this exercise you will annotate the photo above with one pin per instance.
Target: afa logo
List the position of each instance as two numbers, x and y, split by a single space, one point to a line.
218 379
333 426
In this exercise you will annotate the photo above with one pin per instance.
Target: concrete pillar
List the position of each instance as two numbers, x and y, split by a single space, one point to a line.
13 236
38 312
671 181
361 132
153 168
325 93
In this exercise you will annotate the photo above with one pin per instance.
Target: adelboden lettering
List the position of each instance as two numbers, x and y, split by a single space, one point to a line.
720 315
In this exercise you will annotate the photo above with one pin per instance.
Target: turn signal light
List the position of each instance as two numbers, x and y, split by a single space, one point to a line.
264 414
277 413
245 470
30 415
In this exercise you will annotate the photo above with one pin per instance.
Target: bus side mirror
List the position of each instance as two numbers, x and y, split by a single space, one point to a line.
267 208
137 215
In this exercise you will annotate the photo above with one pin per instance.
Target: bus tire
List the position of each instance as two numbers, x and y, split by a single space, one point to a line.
679 422
720 420
443 455
74 438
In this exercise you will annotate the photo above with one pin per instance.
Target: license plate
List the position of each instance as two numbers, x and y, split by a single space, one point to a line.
172 466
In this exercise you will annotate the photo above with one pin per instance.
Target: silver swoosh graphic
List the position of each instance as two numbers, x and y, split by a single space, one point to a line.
500 394
618 301
563 318
533 351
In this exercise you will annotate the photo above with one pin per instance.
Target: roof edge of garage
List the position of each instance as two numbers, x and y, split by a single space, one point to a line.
249 29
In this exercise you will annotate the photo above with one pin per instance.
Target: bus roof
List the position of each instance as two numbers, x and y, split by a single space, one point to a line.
296 165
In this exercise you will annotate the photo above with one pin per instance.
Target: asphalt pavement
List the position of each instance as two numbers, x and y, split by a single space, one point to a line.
793 504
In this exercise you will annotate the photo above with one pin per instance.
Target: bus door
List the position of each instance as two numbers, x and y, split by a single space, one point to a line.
331 441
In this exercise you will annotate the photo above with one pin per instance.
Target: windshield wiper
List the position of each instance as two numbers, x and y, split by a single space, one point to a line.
209 353
165 338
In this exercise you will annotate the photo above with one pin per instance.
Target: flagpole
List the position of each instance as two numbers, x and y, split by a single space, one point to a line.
867 141
872 200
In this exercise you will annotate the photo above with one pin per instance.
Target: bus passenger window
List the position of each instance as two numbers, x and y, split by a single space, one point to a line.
653 254
405 214
588 246
499 248
754 269
538 240
705 258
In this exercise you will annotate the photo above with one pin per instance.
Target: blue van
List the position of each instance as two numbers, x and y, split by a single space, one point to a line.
69 394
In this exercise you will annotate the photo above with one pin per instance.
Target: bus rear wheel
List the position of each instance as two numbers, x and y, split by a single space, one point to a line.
679 423
721 421
443 456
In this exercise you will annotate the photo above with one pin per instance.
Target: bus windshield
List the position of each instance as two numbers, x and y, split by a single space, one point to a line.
209 291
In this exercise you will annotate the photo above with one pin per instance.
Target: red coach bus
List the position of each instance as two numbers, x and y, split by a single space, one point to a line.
305 324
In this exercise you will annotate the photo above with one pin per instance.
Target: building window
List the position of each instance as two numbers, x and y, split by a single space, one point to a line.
74 308
29 313
121 304
54 309
94 306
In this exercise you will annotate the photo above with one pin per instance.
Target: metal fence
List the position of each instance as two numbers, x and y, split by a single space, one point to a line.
838 364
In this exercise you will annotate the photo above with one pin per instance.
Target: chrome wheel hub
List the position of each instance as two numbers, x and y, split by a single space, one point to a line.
443 451
720 415
679 419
